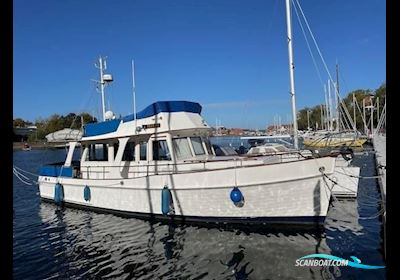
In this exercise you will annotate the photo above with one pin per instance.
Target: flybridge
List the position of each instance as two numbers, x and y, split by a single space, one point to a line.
151 110
165 106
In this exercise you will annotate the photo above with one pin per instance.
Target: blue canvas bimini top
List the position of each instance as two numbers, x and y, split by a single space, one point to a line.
165 106
94 129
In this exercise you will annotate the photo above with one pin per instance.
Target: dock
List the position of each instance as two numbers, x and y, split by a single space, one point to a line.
379 142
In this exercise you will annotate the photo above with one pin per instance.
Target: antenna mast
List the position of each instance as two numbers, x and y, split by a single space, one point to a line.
291 72
104 78
102 86
134 94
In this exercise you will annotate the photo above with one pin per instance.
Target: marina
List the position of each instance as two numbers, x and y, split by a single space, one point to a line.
131 179
161 158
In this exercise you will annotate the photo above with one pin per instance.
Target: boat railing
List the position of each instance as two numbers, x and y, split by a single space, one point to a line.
104 171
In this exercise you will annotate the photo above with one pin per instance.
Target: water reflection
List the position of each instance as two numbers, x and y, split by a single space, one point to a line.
101 245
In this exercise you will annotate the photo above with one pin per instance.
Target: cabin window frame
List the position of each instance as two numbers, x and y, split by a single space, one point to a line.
91 151
201 145
207 146
139 150
167 152
175 145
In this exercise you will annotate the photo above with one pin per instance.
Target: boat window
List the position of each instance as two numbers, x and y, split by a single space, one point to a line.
229 151
98 152
218 151
197 146
208 146
182 148
160 150
129 152
76 156
143 151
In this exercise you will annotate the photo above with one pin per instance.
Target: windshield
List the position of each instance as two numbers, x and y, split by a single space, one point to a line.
182 148
197 146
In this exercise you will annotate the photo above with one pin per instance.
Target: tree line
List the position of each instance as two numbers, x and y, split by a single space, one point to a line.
359 94
54 123
57 122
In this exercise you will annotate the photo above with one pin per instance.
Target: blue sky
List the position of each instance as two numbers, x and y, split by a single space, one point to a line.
228 55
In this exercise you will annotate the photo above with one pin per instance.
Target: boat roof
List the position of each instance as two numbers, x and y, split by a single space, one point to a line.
165 106
95 129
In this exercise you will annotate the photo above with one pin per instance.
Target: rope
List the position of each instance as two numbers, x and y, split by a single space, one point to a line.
382 211
322 58
30 173
308 46
360 177
335 183
381 120
19 174
17 171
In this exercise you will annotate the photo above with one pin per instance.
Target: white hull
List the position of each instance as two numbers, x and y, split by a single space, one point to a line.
302 194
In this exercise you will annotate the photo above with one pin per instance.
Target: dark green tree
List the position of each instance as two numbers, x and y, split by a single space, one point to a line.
56 122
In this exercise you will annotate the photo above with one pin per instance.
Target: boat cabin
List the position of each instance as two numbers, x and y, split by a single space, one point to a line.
160 137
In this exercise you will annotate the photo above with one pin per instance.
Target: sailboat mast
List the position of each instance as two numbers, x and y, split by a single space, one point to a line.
337 97
322 117
328 116
354 112
134 94
330 105
291 72
365 120
377 108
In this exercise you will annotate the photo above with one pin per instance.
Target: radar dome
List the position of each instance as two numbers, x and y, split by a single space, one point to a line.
109 115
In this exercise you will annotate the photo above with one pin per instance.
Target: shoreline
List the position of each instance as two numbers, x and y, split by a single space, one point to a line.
17 146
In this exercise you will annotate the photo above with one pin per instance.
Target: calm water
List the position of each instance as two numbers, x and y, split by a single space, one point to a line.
54 243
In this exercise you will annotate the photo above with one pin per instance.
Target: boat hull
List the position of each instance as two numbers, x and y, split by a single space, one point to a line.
303 197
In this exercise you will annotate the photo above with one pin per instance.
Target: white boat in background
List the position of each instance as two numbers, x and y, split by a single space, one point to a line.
345 175
64 136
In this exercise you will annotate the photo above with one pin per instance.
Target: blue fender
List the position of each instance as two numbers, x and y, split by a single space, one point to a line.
86 193
58 193
237 197
167 204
